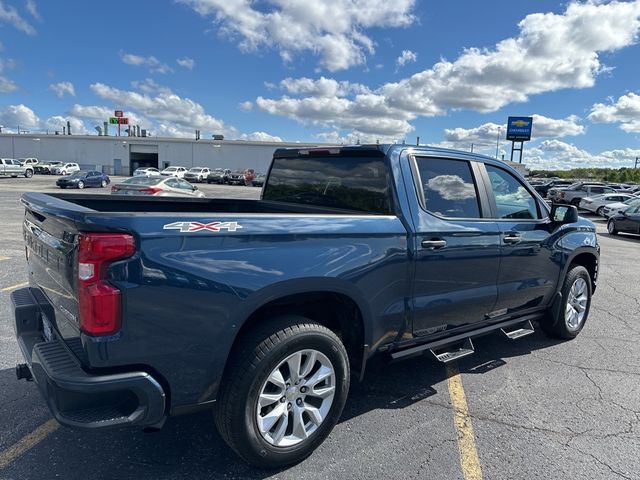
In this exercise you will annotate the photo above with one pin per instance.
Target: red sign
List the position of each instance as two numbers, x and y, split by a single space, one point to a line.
118 113
123 121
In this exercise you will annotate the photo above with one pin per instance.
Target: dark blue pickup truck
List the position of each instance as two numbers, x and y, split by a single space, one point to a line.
263 310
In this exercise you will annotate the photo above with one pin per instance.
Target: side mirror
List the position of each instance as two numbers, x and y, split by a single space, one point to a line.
194 188
564 213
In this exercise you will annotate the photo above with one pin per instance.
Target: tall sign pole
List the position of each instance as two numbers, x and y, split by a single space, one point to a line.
519 131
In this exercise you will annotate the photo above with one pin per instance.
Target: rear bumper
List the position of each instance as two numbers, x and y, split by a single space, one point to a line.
75 397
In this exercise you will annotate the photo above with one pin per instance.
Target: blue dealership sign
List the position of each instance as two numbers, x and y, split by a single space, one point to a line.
519 129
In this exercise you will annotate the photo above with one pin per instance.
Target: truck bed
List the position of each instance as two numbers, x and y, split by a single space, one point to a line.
122 204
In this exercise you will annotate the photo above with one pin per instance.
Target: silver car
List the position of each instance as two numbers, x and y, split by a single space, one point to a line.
156 186
615 208
596 204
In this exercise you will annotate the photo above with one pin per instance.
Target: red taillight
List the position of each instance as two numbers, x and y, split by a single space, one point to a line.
114 189
561 194
99 301
150 190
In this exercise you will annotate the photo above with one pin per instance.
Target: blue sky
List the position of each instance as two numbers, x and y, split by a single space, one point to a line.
333 70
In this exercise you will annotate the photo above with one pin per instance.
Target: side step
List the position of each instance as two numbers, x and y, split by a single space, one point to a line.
447 354
524 329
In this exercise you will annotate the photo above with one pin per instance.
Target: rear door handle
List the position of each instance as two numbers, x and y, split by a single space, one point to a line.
433 244
512 238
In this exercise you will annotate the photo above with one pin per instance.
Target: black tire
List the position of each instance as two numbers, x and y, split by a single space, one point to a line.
611 227
104 183
557 325
252 361
80 184
28 173
576 202
599 211
62 187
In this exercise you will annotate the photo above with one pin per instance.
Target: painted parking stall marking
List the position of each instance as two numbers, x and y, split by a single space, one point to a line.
27 442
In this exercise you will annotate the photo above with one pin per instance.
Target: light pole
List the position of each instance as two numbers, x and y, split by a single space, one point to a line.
498 142
636 165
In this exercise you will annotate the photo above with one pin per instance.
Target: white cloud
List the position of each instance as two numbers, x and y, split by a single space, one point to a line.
14 116
173 113
99 114
152 63
558 155
57 122
10 15
62 88
551 52
625 111
186 62
32 8
6 84
485 136
331 29
260 137
405 57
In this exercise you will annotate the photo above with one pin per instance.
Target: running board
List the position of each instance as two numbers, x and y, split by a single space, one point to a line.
415 350
446 355
525 329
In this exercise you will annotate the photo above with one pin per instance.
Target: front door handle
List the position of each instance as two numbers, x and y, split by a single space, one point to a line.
512 238
433 244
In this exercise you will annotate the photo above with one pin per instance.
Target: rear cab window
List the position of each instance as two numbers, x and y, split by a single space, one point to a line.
344 181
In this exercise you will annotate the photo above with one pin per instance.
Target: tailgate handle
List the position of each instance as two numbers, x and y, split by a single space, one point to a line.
433 244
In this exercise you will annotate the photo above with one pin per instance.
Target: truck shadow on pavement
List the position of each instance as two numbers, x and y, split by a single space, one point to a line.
189 446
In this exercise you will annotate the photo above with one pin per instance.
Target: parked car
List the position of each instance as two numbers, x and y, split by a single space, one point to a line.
616 208
626 222
32 162
262 309
596 204
66 169
156 186
177 172
13 168
219 175
236 178
82 179
197 174
259 179
146 172
573 194
46 168
544 187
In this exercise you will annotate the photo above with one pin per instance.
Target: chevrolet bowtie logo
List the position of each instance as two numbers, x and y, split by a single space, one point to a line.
520 123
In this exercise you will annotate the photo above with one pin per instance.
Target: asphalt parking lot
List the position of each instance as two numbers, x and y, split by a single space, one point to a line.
538 408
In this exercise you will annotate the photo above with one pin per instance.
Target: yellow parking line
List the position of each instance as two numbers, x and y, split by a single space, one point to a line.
14 287
27 442
3 258
469 460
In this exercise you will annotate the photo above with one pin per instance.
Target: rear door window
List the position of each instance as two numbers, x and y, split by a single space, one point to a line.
448 187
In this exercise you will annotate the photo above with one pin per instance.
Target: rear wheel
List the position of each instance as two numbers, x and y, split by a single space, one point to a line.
283 391
611 227
103 183
574 310
599 211
576 202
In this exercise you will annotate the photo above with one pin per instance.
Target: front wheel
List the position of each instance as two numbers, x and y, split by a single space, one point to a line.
574 310
28 173
80 185
283 391
611 227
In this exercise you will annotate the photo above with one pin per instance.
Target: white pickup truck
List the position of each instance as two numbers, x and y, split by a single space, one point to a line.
13 168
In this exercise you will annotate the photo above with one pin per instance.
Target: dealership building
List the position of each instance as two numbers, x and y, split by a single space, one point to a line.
122 155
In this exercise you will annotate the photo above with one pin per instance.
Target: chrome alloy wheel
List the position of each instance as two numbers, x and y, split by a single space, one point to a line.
296 398
576 306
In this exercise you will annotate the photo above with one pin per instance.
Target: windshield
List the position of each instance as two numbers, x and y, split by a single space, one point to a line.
78 174
196 170
171 169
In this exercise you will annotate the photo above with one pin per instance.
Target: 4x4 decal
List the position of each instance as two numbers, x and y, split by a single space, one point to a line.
191 227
